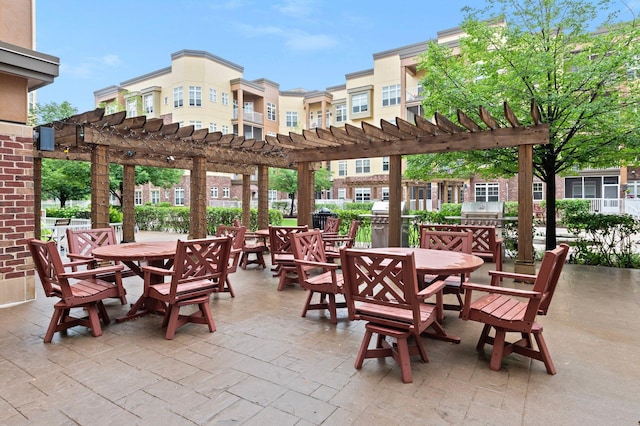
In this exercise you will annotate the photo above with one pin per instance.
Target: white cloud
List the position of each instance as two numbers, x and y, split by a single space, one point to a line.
301 41
111 60
296 8
90 67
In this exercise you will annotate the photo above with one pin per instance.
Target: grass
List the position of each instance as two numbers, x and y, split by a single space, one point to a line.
289 221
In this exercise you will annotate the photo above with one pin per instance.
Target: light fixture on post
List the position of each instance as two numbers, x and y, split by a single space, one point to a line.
170 159
130 153
79 134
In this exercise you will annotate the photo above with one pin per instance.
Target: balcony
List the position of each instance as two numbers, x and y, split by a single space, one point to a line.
249 116
414 94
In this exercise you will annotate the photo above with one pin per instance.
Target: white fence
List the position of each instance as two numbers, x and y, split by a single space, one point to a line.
59 233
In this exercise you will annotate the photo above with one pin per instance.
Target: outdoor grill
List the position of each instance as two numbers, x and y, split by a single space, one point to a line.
482 213
380 225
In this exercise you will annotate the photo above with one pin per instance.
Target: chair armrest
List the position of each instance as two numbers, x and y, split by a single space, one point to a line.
501 290
431 289
79 263
156 270
92 272
80 256
514 275
323 265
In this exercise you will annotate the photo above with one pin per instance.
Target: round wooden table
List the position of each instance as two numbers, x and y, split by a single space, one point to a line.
154 253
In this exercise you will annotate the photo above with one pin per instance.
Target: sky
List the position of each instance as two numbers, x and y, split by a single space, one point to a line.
309 44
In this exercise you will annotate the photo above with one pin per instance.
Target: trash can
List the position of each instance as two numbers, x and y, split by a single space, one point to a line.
319 218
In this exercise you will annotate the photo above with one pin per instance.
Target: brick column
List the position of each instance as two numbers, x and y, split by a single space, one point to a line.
17 280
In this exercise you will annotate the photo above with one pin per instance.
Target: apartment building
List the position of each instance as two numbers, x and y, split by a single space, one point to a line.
206 91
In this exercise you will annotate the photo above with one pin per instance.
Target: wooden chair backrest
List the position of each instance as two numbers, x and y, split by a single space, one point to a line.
559 256
49 267
353 231
484 237
83 241
202 263
332 225
235 232
309 246
447 240
280 241
381 287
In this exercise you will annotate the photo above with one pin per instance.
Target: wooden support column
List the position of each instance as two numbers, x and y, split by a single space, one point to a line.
526 262
263 197
246 200
100 186
198 198
395 199
128 203
305 194
37 197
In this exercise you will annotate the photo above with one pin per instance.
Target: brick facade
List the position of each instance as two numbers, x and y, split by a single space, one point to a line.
17 280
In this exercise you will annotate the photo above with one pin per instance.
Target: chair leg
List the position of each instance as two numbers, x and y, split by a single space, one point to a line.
307 303
544 353
103 313
205 310
53 324
333 316
362 352
483 337
229 288
94 320
172 321
404 359
498 350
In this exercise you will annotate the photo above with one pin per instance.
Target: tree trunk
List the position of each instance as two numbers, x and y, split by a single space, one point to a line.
550 240
293 197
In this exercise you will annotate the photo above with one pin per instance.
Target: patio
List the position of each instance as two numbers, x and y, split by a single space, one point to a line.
266 365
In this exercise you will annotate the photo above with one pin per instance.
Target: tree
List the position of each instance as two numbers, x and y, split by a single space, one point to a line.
585 84
162 177
52 111
66 180
285 180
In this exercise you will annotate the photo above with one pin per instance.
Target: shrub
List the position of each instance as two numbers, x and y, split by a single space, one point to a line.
604 239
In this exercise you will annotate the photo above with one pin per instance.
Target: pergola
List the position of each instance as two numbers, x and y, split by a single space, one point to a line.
104 139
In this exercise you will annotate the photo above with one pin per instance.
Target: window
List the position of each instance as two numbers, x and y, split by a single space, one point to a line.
226 192
155 196
391 95
195 96
179 196
487 192
363 194
111 108
148 104
132 107
273 195
178 99
341 113
166 100
342 168
225 99
538 193
385 164
363 166
225 129
213 127
342 193
385 194
359 103
214 192
197 125
213 95
292 119
137 197
271 111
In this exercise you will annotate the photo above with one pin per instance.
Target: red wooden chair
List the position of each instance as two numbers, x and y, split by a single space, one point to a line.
315 274
282 253
237 237
80 289
449 241
382 289
508 310
331 226
198 269
334 243
81 243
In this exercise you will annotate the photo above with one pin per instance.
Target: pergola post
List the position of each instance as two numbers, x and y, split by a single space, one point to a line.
395 199
306 197
246 200
128 203
198 197
100 186
526 262
263 197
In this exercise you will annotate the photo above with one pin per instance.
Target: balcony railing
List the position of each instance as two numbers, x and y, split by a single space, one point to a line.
414 93
252 116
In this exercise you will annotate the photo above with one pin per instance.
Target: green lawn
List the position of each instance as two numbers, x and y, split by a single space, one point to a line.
288 221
